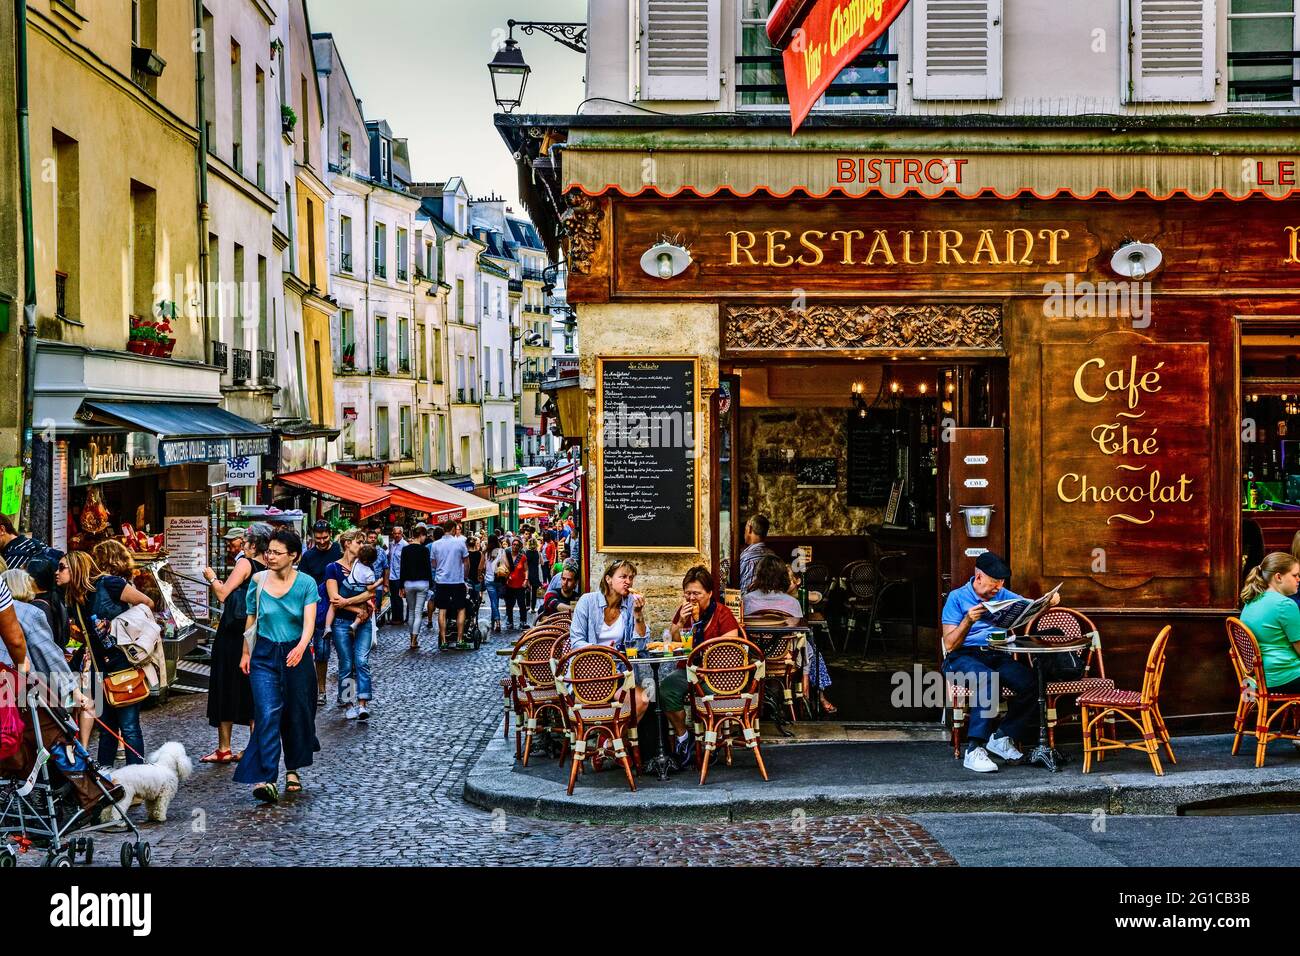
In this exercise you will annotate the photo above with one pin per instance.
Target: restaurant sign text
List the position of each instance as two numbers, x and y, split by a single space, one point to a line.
183 451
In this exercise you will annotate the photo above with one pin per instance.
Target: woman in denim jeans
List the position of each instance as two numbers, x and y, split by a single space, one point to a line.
493 585
352 646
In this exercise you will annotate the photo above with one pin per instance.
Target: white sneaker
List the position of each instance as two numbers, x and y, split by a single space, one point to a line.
362 712
353 712
1004 747
977 759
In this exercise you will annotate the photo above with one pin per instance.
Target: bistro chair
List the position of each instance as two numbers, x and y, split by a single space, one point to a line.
1248 663
598 684
782 647
726 681
534 688
1075 627
957 702
1141 709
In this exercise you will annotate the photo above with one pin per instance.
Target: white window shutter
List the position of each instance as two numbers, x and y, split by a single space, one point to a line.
680 40
1171 43
956 49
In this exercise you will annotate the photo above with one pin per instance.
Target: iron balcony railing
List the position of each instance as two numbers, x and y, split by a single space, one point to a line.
381 271
860 81
221 356
61 294
243 366
404 366
401 274
266 366
381 365
1278 89
345 262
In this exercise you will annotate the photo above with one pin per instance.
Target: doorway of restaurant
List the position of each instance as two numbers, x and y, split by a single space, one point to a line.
882 479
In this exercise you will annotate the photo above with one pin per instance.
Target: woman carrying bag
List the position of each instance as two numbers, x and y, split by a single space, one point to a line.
93 599
494 578
280 625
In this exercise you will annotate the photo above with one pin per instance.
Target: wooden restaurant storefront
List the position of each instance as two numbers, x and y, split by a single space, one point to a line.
1067 323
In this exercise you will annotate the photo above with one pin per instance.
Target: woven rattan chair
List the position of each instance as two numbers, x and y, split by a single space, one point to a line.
726 680
598 685
1075 627
1141 709
957 700
781 645
534 688
1248 663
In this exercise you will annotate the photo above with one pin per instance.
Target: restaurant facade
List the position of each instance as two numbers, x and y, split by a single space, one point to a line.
1067 340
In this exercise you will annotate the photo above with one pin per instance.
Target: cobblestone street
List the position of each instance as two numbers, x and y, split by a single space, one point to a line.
391 793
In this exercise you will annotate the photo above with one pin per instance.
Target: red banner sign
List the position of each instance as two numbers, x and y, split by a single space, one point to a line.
831 34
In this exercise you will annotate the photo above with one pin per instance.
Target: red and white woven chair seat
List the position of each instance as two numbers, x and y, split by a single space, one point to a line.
1084 685
539 693
595 712
1111 698
958 693
729 705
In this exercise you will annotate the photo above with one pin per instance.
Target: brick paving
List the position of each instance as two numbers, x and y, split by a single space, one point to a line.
390 792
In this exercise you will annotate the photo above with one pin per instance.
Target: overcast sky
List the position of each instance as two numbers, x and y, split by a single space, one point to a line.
422 65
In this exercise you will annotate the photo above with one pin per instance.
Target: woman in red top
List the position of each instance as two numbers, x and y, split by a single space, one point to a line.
516 585
704 618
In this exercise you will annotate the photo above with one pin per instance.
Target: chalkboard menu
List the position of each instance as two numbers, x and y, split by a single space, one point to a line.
871 458
648 470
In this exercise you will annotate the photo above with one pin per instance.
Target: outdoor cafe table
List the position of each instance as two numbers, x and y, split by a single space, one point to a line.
659 763
1043 754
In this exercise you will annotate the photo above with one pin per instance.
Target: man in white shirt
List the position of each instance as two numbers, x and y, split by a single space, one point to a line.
451 561
396 545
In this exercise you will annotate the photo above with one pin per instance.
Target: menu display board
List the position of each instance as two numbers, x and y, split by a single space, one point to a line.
871 458
187 553
648 467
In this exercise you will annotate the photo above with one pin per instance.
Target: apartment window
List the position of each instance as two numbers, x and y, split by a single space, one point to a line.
347 329
318 414
304 151
381 251
210 84
385 159
460 300
311 243
460 378
1263 51
345 244
421 363
403 245
349 438
381 432
239 310
442 444
501 371
471 381
67 226
263 306
381 344
485 298
502 439
403 345
465 464
404 431
214 287
429 272
236 110
144 243
437 355
869 81
345 151
487 371
259 86
487 445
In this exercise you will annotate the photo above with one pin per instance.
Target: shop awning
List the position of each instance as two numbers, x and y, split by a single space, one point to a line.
528 511
557 483
435 509
186 432
369 499
475 507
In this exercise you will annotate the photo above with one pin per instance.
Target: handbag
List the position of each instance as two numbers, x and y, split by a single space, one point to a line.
1067 666
501 572
250 632
122 688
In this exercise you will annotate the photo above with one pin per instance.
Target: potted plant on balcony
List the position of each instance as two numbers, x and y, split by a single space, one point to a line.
137 341
288 119
277 45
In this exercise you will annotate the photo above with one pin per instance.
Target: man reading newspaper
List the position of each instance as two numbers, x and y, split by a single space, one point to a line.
971 662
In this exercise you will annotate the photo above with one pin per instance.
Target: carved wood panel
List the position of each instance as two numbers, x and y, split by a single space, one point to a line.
762 328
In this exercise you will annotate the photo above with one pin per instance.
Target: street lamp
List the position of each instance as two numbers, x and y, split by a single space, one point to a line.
508 69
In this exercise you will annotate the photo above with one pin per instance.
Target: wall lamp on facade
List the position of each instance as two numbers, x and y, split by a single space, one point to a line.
1136 260
665 260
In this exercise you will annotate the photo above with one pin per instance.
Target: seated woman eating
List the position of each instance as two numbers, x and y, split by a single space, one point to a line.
769 598
1272 616
704 618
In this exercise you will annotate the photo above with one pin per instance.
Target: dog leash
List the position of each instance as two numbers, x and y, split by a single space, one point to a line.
104 726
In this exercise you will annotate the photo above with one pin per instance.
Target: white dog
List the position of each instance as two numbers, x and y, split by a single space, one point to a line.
153 783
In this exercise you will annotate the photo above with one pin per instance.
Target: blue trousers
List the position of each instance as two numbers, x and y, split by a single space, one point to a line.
284 713
125 721
494 598
976 668
353 649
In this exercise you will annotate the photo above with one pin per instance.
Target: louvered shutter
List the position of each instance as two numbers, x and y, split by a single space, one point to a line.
679 49
956 49
1171 47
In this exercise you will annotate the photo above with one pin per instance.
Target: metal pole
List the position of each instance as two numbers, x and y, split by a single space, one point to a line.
29 258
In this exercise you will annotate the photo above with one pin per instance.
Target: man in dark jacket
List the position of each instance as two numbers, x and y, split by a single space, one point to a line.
18 549
417 581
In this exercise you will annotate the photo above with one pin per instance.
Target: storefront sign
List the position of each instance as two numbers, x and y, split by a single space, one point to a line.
59 497
102 458
1126 476
183 451
243 472
142 449
514 480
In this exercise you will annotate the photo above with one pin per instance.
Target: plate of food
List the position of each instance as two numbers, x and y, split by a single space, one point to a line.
665 647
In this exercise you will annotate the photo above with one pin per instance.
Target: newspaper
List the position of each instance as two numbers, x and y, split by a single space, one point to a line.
1010 614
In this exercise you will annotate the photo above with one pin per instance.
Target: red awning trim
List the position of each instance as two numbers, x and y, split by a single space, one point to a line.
369 499
437 510
784 18
948 192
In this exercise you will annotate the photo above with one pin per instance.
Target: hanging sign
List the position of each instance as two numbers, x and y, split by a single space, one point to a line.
11 498
831 34
243 472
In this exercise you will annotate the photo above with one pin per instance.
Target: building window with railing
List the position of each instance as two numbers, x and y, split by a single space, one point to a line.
347 341
402 253
345 244
381 345
869 82
243 366
404 431
265 367
460 300
381 432
381 251
1263 52
221 356
403 345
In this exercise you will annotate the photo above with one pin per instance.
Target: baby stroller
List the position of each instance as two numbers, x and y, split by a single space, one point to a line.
473 632
52 791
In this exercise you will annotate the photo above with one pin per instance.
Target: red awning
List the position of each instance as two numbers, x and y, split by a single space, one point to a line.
554 483
784 18
435 509
369 499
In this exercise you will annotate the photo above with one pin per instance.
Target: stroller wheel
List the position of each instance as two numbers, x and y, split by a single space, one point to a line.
142 854
8 857
127 856
60 860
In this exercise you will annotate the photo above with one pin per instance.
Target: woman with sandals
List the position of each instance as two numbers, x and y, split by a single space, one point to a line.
282 616
230 696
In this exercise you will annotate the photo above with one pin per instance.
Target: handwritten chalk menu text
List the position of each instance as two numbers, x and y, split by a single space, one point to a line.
1125 473
648 463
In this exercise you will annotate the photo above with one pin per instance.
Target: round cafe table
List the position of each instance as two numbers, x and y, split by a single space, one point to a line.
660 762
1043 755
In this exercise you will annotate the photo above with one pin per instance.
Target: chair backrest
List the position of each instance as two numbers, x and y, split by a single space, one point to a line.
1243 649
559 647
817 577
860 579
533 654
595 674
777 642
727 667
1076 627
1155 669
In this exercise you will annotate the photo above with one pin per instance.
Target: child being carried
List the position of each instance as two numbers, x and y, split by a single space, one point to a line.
361 578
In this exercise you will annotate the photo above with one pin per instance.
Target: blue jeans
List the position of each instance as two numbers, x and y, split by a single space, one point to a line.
126 722
494 598
976 667
353 648
284 711
320 645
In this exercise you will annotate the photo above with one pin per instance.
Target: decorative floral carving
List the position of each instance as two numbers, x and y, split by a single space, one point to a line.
819 327
581 230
